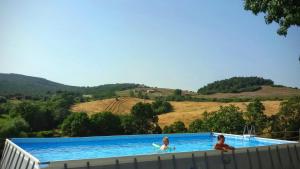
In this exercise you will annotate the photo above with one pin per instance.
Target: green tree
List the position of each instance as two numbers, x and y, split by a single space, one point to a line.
255 115
228 119
177 92
13 127
176 127
285 13
131 93
3 99
37 116
145 118
128 124
76 124
288 117
160 107
197 126
105 123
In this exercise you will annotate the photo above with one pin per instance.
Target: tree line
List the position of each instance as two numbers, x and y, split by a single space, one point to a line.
230 119
235 85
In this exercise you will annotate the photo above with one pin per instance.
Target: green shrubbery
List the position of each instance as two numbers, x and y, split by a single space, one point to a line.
161 107
176 127
105 123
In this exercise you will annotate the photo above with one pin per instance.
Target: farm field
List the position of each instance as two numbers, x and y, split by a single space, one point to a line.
185 111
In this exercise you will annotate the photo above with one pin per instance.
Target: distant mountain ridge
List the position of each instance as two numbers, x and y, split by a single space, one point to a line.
14 84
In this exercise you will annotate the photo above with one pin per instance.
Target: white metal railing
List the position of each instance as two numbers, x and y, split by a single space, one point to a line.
17 158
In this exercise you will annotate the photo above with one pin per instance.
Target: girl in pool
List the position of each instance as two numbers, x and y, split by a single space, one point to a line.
165 145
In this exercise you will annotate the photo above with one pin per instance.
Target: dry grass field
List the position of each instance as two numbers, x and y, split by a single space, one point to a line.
185 111
266 92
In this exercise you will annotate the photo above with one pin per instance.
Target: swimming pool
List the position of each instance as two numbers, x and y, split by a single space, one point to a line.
63 149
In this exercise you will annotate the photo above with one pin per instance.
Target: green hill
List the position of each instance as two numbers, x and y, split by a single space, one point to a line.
16 84
235 85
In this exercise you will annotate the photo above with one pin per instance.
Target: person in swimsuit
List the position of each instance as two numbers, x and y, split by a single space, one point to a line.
221 144
165 145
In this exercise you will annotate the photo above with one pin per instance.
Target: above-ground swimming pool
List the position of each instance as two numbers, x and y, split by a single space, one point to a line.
62 149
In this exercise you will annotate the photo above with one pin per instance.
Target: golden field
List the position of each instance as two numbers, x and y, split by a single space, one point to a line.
185 111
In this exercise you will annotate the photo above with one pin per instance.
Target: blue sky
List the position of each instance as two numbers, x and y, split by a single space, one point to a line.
169 43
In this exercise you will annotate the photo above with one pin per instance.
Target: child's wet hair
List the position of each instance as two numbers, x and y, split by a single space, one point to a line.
220 137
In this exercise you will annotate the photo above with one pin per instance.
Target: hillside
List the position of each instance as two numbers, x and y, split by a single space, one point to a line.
185 111
235 85
16 84
267 92
11 84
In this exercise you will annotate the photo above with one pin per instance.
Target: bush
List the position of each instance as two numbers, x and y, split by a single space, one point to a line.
255 115
3 99
288 118
160 107
13 127
76 124
197 126
176 127
38 116
105 123
49 133
228 119
128 124
145 118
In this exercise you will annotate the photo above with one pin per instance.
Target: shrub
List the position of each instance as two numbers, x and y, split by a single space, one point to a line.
13 127
128 124
288 117
228 119
176 127
105 123
145 118
160 107
76 124
255 115
197 126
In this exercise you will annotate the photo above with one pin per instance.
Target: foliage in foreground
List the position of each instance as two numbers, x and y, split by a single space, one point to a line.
285 13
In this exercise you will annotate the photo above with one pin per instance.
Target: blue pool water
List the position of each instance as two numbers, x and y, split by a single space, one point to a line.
61 149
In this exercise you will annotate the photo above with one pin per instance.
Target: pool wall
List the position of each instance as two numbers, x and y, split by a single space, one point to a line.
280 156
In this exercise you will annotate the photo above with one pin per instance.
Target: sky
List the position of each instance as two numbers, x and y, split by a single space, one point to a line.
169 43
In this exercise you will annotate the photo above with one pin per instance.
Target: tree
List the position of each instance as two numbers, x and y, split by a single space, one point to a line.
228 119
177 92
288 117
145 118
76 124
255 115
176 127
105 123
285 13
197 126
3 99
131 93
160 107
14 127
37 116
128 124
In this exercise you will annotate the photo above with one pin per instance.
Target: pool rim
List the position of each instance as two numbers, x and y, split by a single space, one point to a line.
10 140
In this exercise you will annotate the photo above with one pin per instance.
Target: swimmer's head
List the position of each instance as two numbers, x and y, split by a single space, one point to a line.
221 139
166 141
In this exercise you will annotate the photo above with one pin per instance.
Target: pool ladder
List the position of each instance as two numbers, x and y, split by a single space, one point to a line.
249 131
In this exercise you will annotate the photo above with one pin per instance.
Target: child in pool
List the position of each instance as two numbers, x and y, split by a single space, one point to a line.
221 144
165 145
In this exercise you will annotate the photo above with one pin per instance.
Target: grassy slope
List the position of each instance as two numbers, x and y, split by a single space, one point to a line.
184 111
